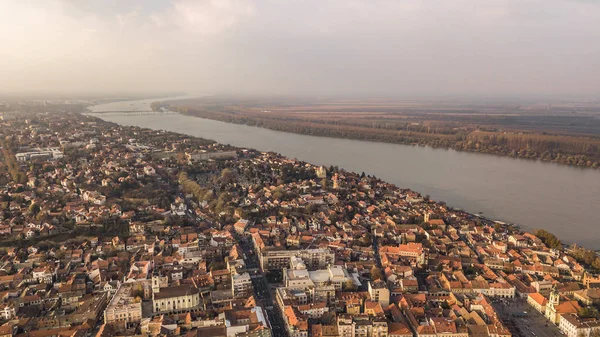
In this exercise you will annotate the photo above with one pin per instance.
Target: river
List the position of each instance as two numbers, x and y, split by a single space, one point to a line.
561 199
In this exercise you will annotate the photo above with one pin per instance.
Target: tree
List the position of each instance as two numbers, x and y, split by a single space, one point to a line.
366 240
34 209
549 239
137 291
216 265
376 273
588 312
349 286
278 193
227 176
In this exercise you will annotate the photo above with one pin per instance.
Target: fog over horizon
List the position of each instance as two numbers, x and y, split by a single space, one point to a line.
409 48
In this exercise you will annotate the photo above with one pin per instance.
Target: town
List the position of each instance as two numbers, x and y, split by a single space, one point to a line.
110 230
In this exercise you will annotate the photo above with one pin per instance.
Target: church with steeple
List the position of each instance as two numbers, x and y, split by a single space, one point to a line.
557 307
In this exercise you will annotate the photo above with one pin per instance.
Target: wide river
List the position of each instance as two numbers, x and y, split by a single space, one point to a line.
561 199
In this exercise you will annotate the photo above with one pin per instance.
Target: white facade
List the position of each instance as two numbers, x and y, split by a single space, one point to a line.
177 298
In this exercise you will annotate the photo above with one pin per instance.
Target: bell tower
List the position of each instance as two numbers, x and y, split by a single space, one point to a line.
553 303
554 297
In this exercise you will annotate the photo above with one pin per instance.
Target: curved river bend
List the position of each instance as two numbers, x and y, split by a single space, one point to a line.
561 199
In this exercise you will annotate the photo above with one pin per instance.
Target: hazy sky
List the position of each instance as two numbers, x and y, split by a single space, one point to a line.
404 47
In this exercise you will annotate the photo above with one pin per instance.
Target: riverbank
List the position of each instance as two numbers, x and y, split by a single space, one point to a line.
436 131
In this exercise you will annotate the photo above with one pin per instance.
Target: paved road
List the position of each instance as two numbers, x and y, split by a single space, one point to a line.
533 325
262 294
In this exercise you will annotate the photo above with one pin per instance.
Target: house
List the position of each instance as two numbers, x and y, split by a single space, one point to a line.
43 274
588 296
8 329
29 233
7 311
518 240
149 170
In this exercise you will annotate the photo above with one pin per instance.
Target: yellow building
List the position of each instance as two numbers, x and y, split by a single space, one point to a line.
538 302
555 308
176 299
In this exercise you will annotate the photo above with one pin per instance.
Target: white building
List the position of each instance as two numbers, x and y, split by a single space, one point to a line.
241 285
379 292
39 154
298 277
123 307
175 299
573 326
504 290
7 311
313 258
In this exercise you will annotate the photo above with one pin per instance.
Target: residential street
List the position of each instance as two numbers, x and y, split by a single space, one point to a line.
262 293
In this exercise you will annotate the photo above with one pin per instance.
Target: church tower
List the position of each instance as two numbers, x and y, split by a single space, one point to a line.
553 303
159 282
554 297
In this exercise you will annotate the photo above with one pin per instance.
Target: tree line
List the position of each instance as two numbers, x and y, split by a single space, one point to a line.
571 150
12 165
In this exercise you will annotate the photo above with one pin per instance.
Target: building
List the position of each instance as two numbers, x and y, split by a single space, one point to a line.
574 326
504 290
313 310
380 293
345 325
538 302
43 274
399 330
321 172
312 258
542 287
410 251
176 299
39 154
8 329
247 322
298 277
7 311
555 308
159 281
241 285
123 308
588 296
240 226
517 240
211 155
